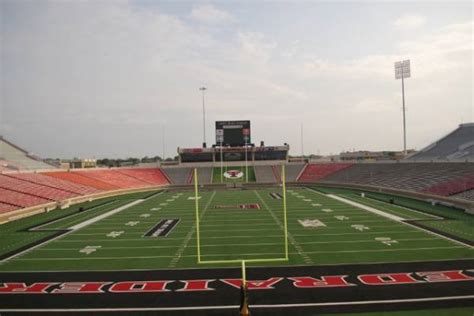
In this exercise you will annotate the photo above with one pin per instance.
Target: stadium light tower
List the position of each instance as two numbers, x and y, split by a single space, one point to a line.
402 71
203 117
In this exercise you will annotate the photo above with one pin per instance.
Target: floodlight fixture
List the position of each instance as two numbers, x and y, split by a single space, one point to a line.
403 71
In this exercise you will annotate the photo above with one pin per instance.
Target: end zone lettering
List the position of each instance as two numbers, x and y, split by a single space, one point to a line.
297 282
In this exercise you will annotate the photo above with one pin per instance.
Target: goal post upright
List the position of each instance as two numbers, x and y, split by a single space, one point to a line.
285 219
196 204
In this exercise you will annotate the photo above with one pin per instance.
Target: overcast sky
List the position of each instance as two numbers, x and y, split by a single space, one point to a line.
105 78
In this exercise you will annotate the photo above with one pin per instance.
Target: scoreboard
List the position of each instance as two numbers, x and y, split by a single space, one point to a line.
233 133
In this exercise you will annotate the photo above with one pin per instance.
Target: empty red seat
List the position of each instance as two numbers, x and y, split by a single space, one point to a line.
35 189
76 177
452 186
114 178
315 172
151 176
57 183
20 199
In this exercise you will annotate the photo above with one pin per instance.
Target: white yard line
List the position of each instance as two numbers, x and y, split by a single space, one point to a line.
69 216
292 240
107 214
413 231
75 227
245 245
396 219
408 209
234 307
367 208
186 241
241 254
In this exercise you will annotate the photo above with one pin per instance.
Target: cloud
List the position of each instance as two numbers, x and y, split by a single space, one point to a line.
209 14
254 45
102 79
409 21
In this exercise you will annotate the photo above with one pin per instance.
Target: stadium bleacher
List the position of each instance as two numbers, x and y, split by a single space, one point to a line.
178 176
315 172
16 158
114 178
7 207
19 199
57 183
452 187
459 144
265 174
27 189
406 176
76 177
150 176
8 166
292 171
466 195
34 189
204 175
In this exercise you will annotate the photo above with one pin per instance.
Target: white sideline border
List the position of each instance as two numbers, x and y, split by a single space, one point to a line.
102 216
211 307
367 208
399 219
71 229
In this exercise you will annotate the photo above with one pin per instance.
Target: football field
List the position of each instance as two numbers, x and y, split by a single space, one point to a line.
158 231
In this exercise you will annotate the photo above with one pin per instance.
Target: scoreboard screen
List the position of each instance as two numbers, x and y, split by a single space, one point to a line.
233 133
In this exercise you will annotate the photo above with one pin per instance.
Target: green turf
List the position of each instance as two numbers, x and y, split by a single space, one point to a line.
460 225
227 234
456 311
216 174
14 234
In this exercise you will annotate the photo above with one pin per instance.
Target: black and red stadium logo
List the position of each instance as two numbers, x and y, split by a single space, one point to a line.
233 174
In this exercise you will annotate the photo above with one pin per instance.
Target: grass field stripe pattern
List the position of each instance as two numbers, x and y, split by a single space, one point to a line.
367 208
288 236
200 218
103 216
186 241
252 245
402 221
224 234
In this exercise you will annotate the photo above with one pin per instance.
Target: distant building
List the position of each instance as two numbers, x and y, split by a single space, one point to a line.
79 163
372 155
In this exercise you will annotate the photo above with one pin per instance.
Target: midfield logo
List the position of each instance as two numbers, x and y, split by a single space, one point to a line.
233 174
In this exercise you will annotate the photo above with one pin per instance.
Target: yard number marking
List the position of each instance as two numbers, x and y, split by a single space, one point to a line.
115 234
386 240
89 249
132 223
360 227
